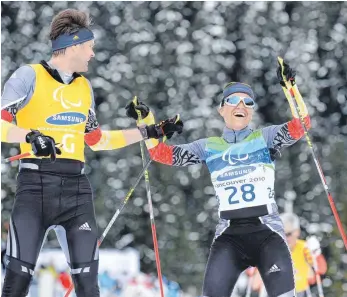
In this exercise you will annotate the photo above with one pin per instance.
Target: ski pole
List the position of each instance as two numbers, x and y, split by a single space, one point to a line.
318 278
308 292
292 93
151 214
27 154
120 208
310 259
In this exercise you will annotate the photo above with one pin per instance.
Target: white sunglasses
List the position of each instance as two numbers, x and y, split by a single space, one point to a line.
233 100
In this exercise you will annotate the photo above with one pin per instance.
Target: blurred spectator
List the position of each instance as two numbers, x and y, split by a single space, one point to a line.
65 279
108 285
173 289
46 280
306 256
141 286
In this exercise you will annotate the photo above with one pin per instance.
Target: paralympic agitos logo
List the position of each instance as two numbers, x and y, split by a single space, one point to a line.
58 95
66 119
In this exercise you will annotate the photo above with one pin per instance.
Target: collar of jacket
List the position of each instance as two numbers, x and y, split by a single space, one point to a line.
234 136
55 74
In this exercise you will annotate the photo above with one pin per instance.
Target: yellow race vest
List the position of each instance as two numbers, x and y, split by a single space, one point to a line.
59 111
301 267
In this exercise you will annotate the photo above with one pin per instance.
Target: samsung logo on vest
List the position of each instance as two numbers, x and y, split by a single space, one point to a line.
234 173
66 119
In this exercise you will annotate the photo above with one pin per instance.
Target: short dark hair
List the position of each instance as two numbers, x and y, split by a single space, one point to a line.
68 21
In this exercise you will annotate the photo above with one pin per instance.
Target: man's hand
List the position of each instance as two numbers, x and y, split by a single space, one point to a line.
42 145
314 246
288 73
131 109
164 128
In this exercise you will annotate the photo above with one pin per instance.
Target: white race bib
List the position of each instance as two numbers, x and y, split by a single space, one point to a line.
244 186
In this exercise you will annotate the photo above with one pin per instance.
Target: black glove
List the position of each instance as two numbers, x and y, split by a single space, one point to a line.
288 72
42 145
165 128
131 110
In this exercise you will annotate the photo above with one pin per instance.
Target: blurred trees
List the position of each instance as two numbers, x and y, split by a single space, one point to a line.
176 56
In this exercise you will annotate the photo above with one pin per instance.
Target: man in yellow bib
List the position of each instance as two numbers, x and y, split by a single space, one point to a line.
304 253
52 190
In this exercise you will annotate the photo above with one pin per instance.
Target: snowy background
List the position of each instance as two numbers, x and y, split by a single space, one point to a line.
177 56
